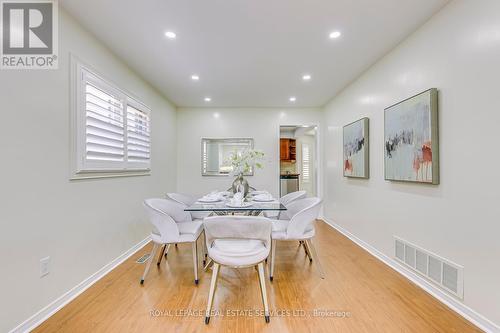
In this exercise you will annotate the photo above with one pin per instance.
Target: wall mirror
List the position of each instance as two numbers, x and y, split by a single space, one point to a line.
215 155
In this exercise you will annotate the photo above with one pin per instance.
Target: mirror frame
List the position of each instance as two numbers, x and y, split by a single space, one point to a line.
229 140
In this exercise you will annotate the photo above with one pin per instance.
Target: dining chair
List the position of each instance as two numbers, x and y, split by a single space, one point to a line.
285 200
171 224
300 227
187 200
238 241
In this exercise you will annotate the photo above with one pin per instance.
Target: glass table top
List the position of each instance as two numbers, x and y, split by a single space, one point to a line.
222 206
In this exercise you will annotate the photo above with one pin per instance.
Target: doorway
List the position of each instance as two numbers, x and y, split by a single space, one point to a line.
298 159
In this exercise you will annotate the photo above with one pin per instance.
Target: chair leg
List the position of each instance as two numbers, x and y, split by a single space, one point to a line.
213 286
263 291
195 261
308 251
204 247
273 259
166 250
148 265
315 256
162 251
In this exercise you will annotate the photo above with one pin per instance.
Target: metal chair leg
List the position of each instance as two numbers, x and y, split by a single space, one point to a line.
162 251
148 265
308 251
204 247
195 261
315 256
263 293
273 259
166 250
213 286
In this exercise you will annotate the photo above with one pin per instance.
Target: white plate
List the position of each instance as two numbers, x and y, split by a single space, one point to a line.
258 192
243 205
209 200
260 200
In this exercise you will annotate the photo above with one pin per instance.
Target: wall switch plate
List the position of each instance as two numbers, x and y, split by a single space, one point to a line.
44 266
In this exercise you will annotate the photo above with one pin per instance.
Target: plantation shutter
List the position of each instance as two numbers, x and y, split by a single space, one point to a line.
306 162
113 129
104 130
138 136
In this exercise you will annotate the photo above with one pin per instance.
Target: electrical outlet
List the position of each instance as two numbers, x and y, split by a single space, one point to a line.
44 266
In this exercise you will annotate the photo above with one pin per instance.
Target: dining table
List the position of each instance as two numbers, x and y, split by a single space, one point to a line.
223 205
249 207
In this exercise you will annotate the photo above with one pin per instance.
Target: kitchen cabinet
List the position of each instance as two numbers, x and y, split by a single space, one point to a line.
288 150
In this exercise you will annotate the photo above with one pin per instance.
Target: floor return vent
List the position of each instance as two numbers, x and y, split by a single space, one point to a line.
442 272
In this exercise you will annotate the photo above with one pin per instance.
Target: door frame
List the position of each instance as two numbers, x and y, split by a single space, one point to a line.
319 157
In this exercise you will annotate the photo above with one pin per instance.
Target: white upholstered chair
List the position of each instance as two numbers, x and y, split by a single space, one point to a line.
187 200
300 227
237 241
171 224
285 200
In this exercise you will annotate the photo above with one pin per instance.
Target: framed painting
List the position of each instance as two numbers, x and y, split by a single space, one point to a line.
411 142
356 149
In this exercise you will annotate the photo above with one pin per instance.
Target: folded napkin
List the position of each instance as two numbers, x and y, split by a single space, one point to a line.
212 196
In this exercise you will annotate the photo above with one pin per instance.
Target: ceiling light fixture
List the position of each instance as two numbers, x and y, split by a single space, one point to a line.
195 77
306 77
170 35
292 99
335 34
208 99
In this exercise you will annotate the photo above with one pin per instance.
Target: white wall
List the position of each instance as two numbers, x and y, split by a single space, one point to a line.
81 225
260 124
458 52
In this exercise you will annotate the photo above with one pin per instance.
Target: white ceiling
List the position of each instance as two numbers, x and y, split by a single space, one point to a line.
251 53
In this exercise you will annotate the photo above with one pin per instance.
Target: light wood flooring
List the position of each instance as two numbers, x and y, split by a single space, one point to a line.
359 294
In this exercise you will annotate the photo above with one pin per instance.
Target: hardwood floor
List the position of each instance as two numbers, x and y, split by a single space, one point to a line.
367 296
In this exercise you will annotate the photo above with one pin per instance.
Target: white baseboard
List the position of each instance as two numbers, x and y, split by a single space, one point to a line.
454 304
56 305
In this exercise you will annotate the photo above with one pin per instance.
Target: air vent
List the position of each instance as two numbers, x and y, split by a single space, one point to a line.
400 250
450 277
435 269
143 259
410 256
446 274
421 262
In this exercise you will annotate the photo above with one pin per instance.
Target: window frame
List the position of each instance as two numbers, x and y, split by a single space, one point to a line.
83 168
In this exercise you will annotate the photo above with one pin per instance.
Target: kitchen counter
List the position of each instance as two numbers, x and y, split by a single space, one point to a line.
289 175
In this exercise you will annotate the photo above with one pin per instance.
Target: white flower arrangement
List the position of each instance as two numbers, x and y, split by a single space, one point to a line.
243 162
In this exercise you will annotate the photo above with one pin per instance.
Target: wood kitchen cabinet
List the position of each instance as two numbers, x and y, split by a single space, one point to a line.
288 150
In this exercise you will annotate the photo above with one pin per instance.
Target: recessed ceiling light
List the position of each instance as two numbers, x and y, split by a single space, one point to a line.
292 99
335 34
208 99
306 77
195 77
170 35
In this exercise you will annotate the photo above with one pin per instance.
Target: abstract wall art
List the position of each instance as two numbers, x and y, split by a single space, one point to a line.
411 143
356 149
